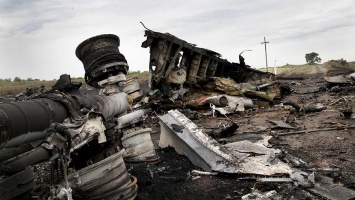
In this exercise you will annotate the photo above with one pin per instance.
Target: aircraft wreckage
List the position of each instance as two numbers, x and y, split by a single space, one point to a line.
174 63
71 142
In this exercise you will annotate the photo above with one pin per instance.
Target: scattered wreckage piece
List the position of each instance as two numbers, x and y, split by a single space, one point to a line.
281 124
305 109
231 87
325 187
345 99
97 180
238 103
177 131
29 93
248 147
239 157
340 79
322 185
289 78
346 108
174 62
203 173
266 85
226 131
224 104
257 159
139 146
316 130
182 134
259 195
292 160
274 180
304 179
254 138
226 96
132 117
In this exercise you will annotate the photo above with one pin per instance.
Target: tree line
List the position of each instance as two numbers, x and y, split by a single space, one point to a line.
16 79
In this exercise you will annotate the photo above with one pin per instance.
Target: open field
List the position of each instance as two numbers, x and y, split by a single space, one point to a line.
15 87
299 70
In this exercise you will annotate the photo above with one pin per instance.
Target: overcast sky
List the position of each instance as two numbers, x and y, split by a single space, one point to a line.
38 38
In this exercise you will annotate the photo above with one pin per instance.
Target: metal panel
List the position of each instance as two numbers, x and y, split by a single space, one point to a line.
179 132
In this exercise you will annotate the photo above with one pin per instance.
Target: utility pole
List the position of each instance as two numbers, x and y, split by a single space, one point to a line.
267 69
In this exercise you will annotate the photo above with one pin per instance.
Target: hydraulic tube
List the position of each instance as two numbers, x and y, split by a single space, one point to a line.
36 156
26 138
8 153
122 121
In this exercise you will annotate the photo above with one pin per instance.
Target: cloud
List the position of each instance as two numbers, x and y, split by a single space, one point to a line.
38 38
27 17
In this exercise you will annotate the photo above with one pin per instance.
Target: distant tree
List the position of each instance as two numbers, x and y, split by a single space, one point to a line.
17 79
312 58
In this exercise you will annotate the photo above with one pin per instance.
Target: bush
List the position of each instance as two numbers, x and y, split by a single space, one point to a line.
341 61
17 79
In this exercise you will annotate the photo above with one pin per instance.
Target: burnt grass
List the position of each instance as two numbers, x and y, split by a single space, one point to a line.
172 179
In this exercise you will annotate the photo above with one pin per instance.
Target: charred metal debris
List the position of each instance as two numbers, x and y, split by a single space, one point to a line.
175 65
72 142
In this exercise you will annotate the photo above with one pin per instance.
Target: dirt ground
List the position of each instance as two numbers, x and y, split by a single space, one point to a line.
328 152
319 139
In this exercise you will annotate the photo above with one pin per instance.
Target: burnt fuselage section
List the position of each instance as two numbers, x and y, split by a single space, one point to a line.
175 61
